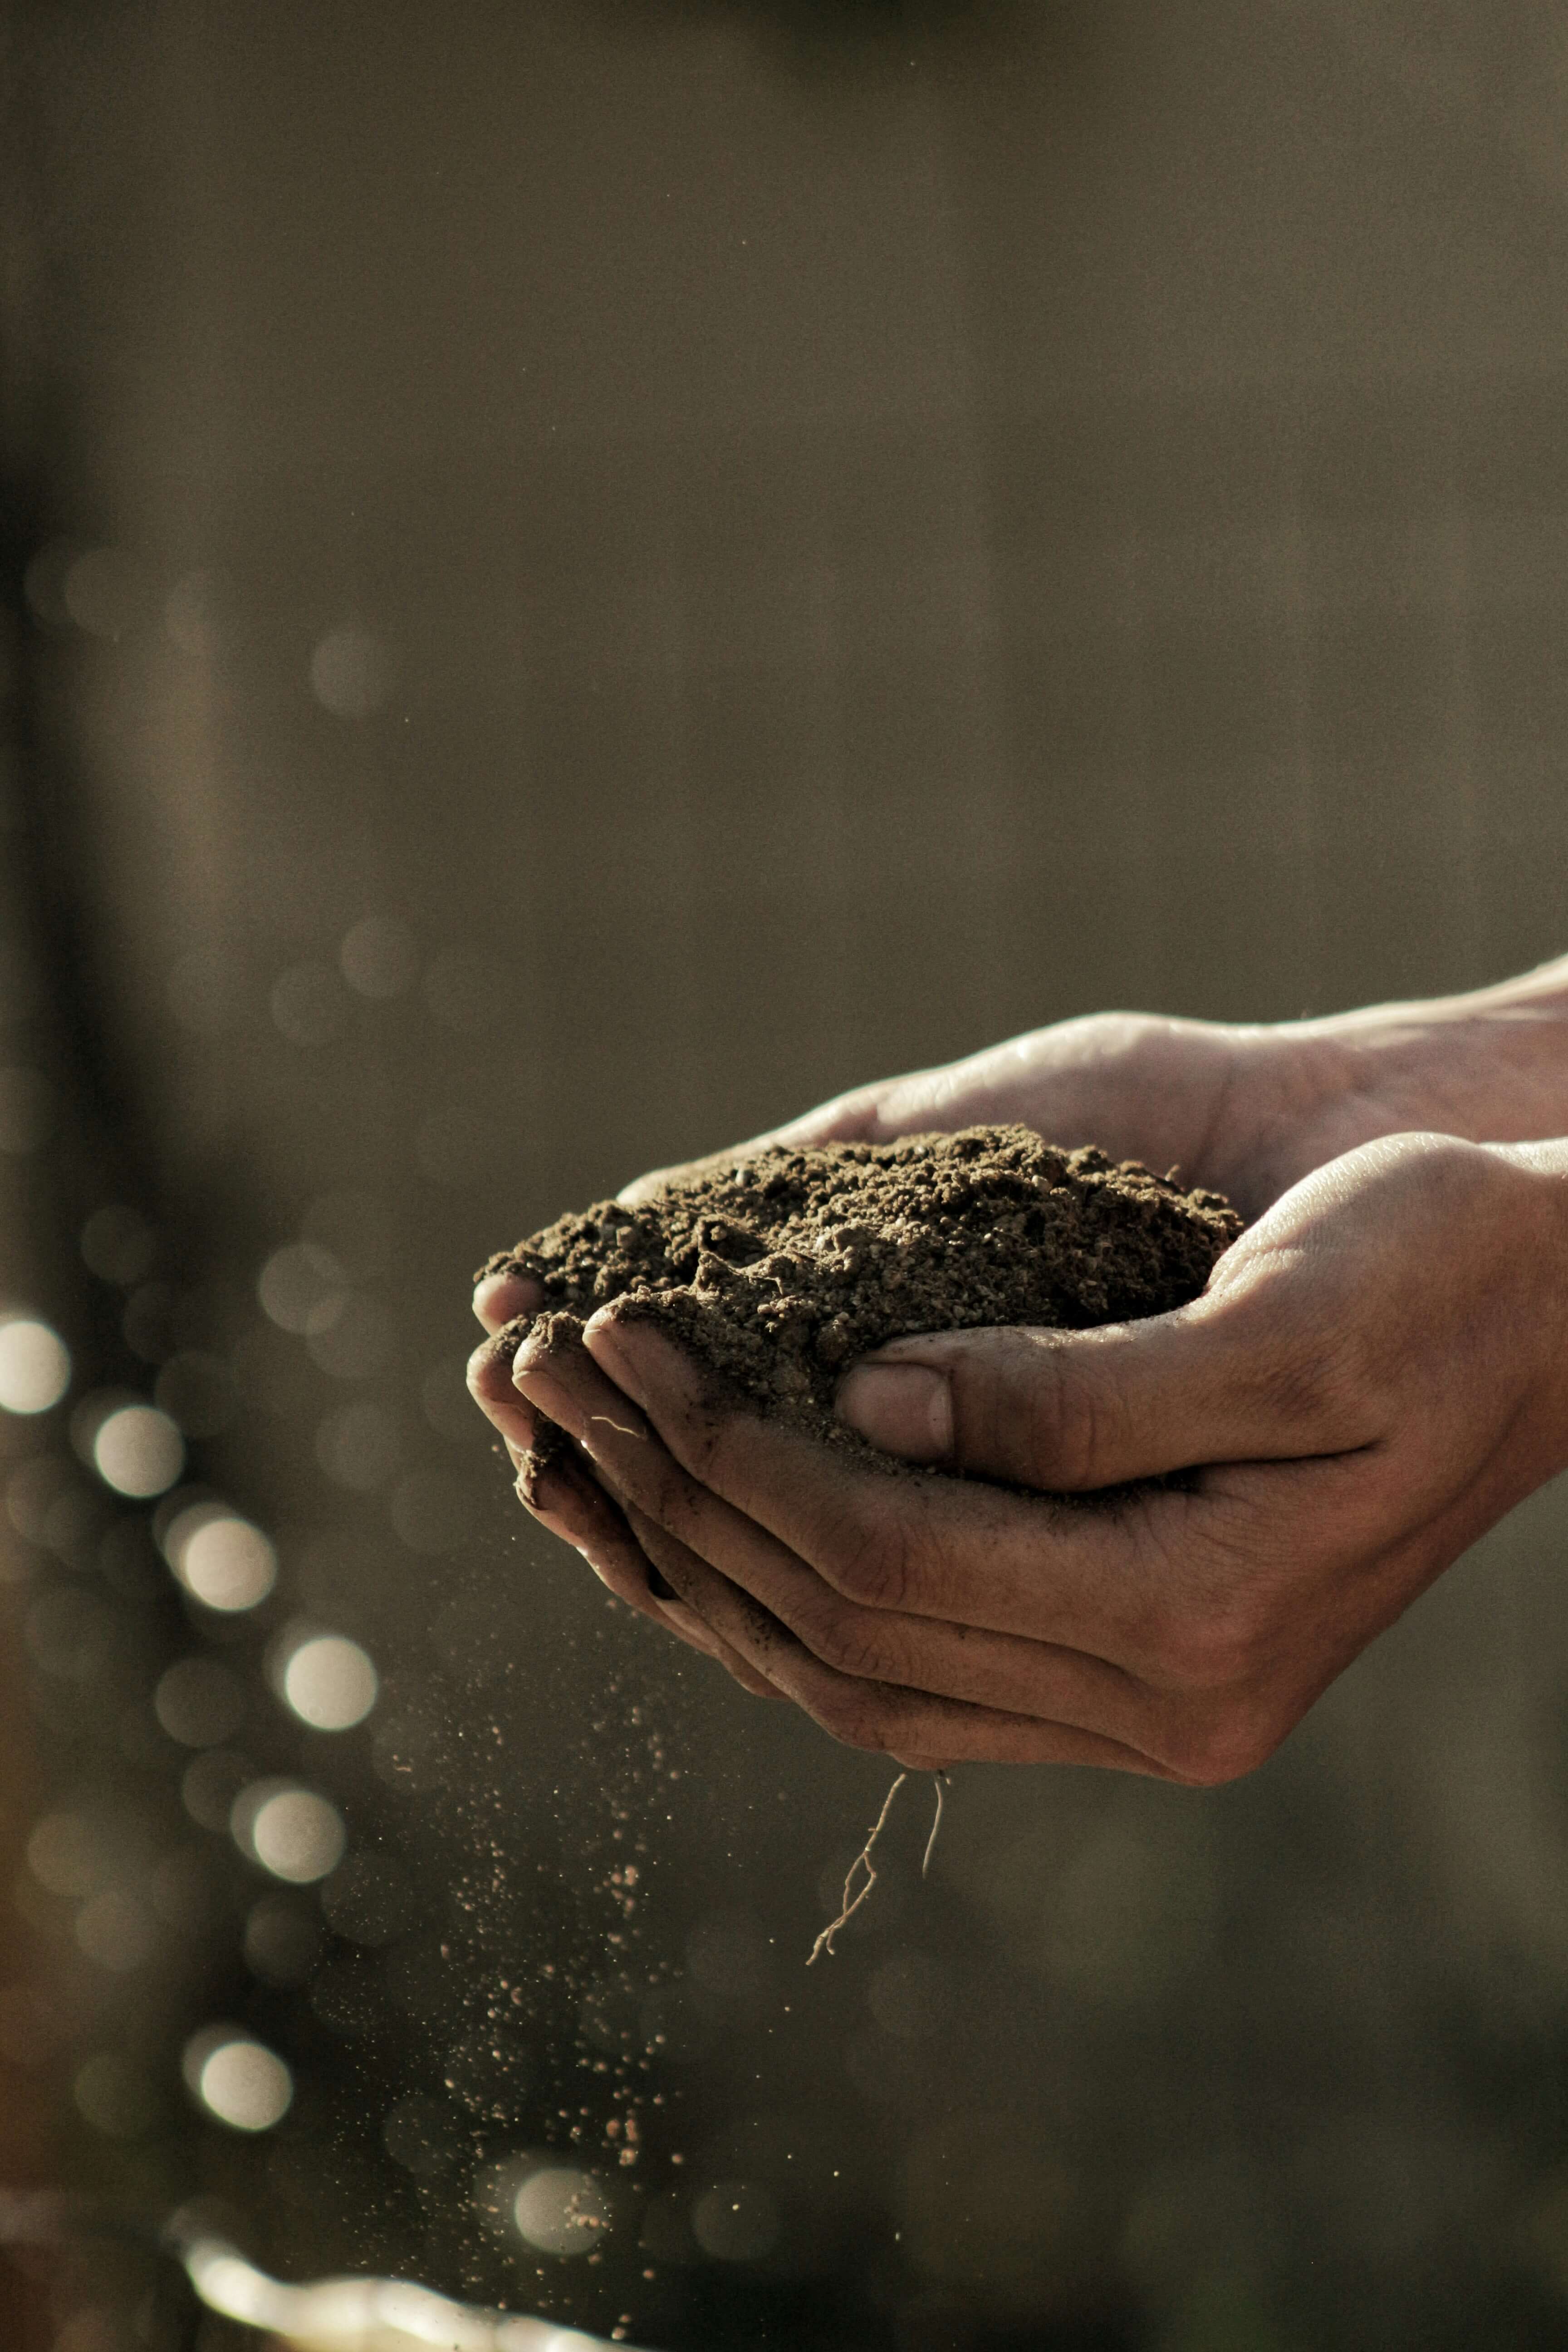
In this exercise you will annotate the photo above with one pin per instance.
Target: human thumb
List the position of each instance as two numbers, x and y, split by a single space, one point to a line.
1069 1410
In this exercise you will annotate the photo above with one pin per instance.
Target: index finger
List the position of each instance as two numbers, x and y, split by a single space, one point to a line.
1088 1576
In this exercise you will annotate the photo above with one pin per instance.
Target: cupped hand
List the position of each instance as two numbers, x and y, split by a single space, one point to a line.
1246 1109
1376 1373
567 1498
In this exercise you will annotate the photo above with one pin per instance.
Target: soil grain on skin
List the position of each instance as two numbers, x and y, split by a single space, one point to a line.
779 1267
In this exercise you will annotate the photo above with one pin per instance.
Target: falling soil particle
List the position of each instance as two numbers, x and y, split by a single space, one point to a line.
778 1268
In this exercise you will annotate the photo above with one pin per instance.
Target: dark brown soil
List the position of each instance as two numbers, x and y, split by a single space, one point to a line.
778 1269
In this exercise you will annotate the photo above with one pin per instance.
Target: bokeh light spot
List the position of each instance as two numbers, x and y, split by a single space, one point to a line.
104 592
71 1854
119 1246
114 2097
43 582
379 957
291 1831
561 2211
35 1365
222 1560
240 2081
116 1931
357 1447
210 1784
138 1451
351 673
330 1683
32 1492
302 1287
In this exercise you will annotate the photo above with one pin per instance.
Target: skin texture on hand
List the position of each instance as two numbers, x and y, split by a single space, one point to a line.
1373 1376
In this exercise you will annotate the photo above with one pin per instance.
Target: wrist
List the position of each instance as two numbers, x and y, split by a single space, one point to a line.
1490 1066
1538 1171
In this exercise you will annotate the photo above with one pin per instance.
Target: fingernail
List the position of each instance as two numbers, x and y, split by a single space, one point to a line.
904 1408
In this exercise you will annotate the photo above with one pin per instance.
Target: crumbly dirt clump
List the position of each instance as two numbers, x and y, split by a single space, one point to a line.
777 1269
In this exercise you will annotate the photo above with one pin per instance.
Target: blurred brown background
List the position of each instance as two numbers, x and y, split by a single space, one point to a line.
583 576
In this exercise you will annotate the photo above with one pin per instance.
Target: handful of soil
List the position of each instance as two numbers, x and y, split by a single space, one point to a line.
776 1270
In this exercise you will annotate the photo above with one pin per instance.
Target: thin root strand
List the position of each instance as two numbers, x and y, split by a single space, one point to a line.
862 1860
854 1895
940 1780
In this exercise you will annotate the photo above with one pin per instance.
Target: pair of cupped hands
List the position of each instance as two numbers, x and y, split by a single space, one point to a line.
1375 1373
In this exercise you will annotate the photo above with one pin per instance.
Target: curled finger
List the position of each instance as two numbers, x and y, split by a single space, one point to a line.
571 1505
882 1716
504 1406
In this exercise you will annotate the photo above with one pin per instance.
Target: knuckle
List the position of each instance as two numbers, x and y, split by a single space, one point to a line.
1317 1363
1209 1650
1072 1418
850 1715
843 1640
1069 1421
1325 1381
872 1562
1225 1747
